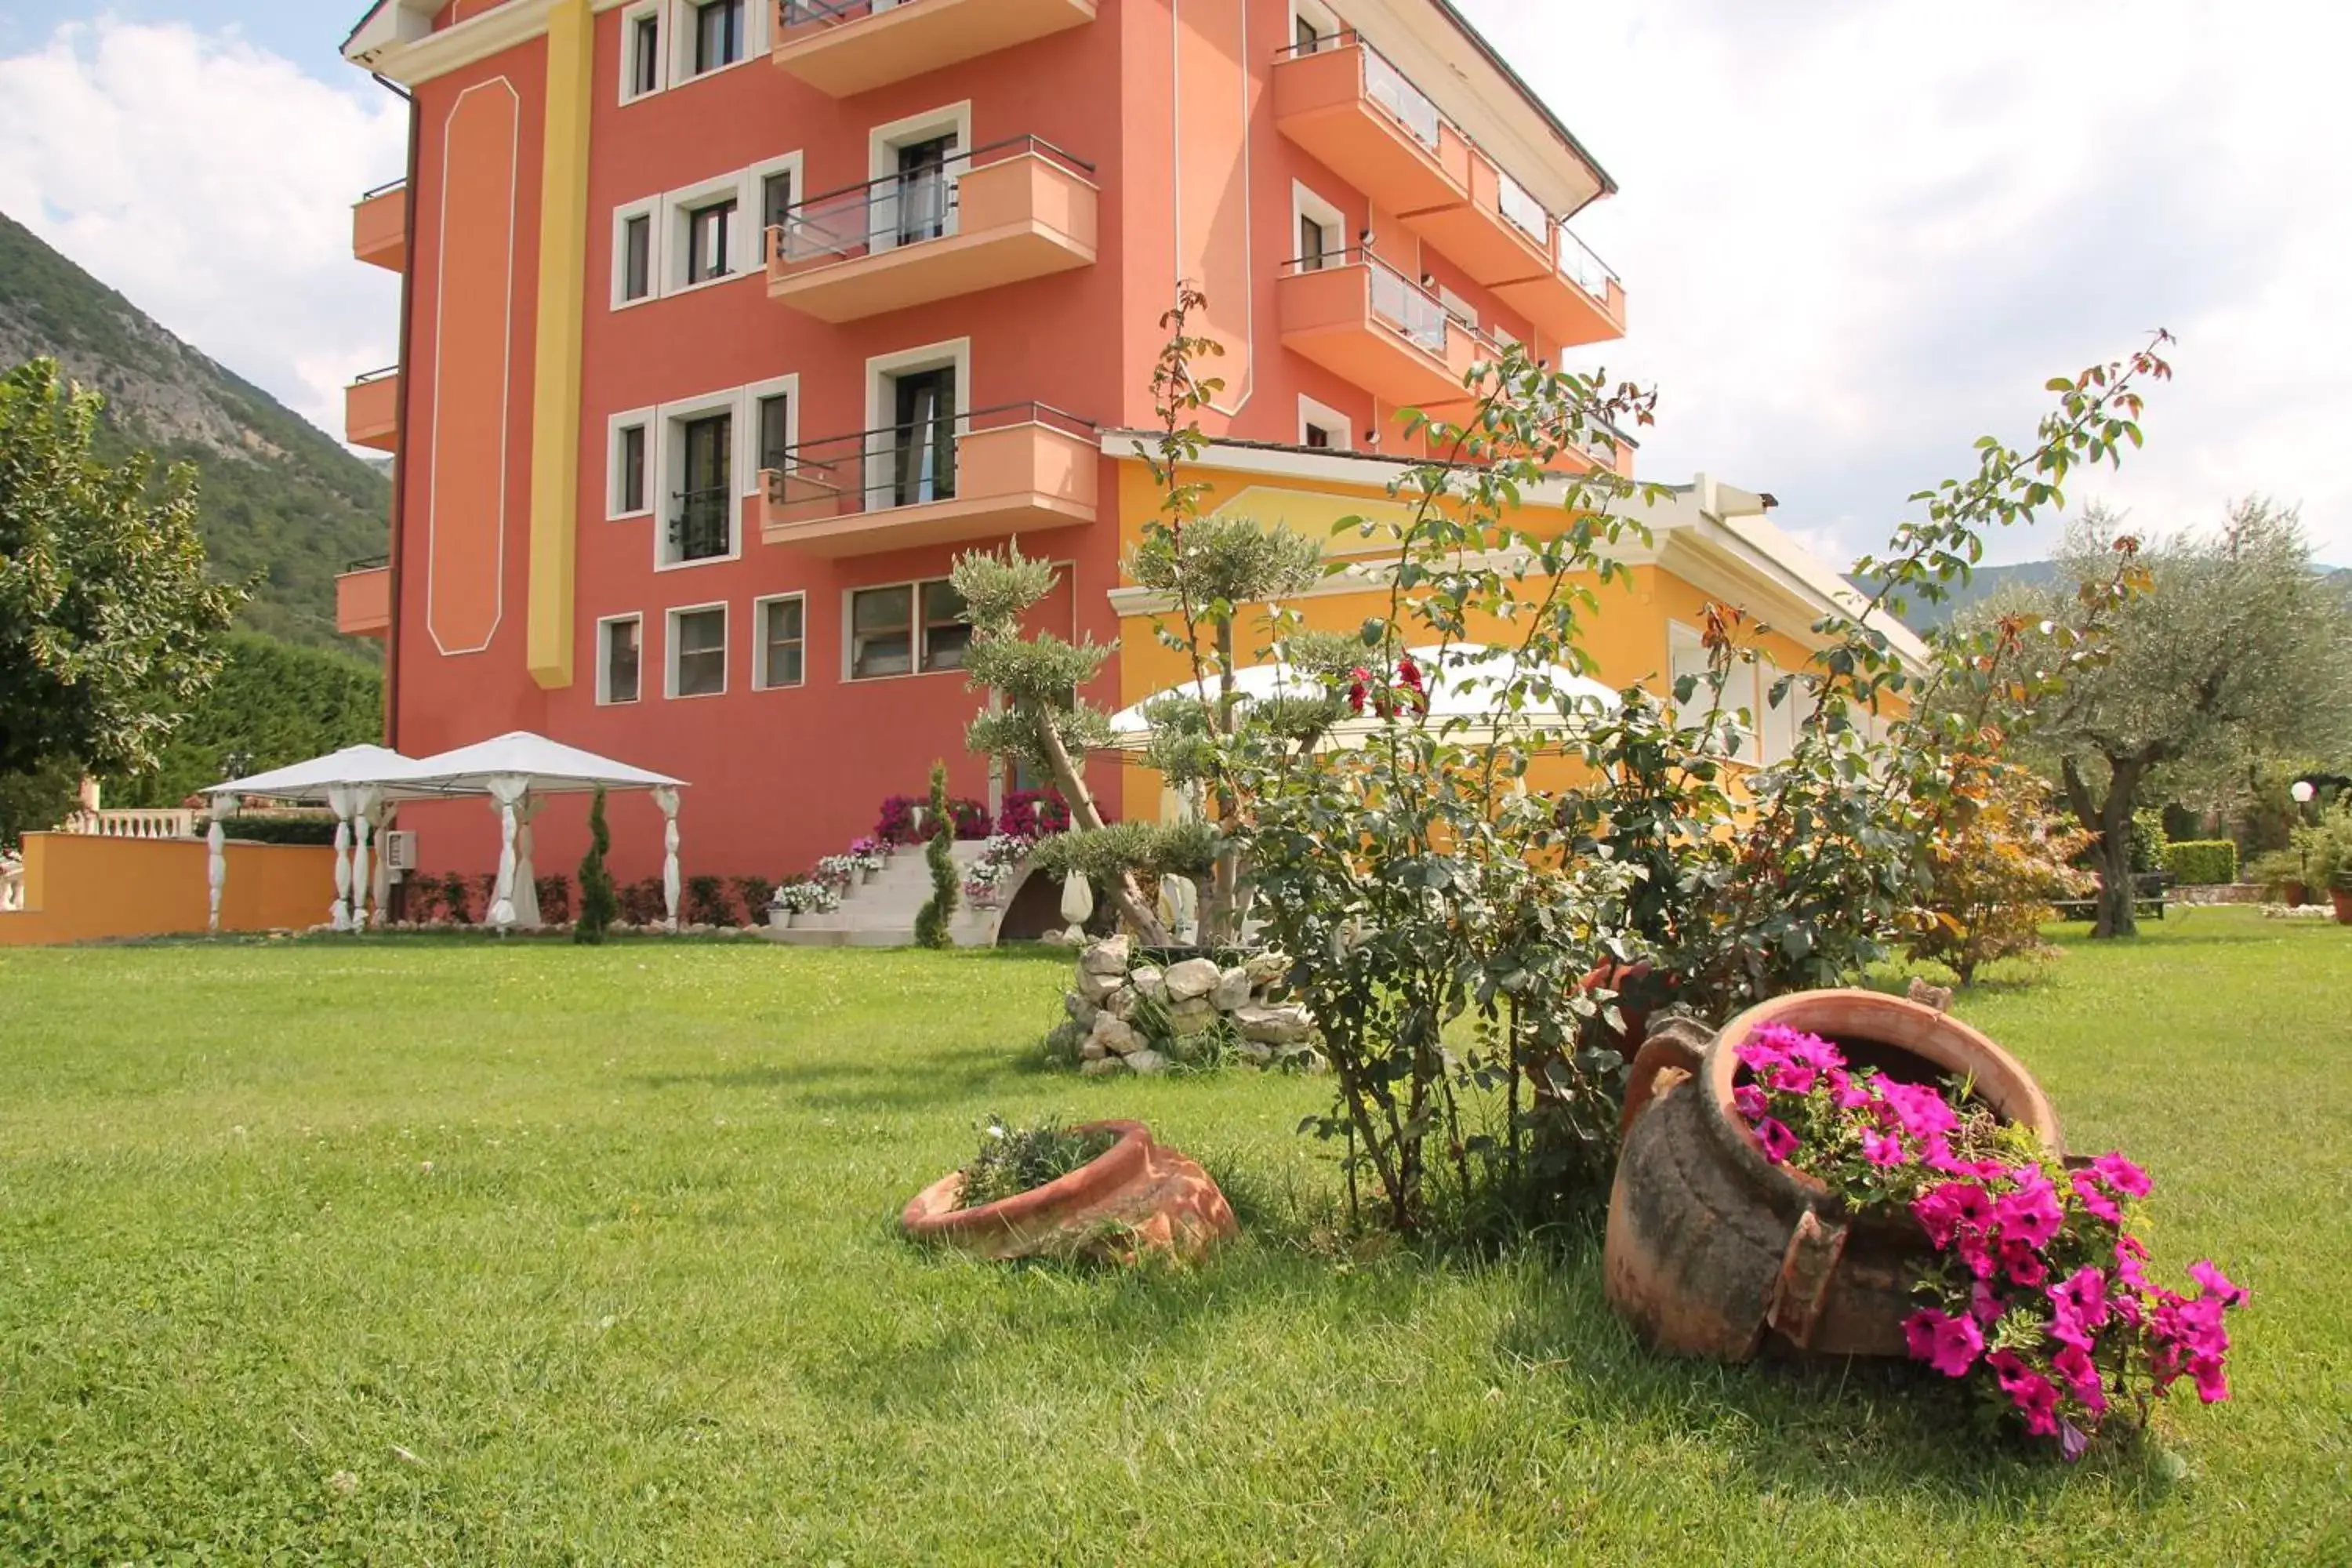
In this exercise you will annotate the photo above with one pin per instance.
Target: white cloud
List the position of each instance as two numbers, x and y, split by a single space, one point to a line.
210 182
1856 237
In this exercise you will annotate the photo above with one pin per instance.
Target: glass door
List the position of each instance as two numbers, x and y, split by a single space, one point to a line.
705 496
926 196
924 466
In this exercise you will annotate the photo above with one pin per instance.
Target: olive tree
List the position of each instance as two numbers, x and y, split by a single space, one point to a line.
2236 644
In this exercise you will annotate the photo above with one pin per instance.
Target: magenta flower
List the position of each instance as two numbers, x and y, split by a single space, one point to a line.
2213 1383
1778 1142
2092 1194
1920 1111
1882 1149
2035 1397
2074 1363
1758 1053
2122 1175
1949 1344
2030 1214
2216 1283
1814 1052
1950 1206
1978 1254
2023 1264
2085 1292
1852 1094
2066 1326
1790 1078
2072 1440
1985 1304
1749 1100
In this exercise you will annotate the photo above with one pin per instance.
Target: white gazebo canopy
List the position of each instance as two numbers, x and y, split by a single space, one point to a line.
515 771
1464 682
362 786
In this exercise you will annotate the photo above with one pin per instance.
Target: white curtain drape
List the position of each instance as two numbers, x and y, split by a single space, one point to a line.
367 802
507 791
385 812
525 892
666 798
217 860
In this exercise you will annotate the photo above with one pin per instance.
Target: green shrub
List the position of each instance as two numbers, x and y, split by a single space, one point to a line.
1017 1160
707 902
2201 862
932 925
598 902
259 829
757 893
2147 840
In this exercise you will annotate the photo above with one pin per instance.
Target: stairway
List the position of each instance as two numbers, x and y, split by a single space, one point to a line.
881 914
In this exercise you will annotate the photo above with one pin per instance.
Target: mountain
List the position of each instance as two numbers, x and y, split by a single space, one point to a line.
277 496
1987 581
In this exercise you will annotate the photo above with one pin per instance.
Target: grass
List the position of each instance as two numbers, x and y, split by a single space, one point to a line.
449 1252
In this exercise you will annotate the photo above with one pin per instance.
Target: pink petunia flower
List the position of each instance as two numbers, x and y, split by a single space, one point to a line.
1985 1304
2122 1175
1920 1111
2023 1264
2216 1283
2092 1194
2030 1214
1778 1142
1949 1344
2074 1363
1849 1092
1749 1101
1882 1149
2213 1383
2085 1292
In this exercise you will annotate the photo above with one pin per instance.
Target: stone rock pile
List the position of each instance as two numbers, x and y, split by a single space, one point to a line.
1129 1017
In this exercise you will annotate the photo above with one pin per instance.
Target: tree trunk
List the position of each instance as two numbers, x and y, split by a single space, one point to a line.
1086 813
2111 819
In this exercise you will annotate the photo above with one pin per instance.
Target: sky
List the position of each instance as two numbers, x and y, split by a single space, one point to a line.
1855 235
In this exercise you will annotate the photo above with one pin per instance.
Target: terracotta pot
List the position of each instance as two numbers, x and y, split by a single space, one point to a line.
2294 894
1713 1250
2343 901
1136 1197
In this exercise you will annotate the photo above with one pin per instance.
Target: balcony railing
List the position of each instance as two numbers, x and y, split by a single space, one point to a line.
1519 204
1004 213
363 597
899 209
1581 267
847 47
1357 316
702 523
959 476
372 410
380 225
1362 117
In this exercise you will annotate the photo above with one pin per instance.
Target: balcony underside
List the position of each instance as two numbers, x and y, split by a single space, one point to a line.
1564 311
1483 243
1016 479
1327 317
912 275
858 55
380 230
1320 103
363 602
372 414
831 528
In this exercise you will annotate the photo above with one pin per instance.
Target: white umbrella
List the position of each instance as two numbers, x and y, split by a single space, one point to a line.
1465 682
512 768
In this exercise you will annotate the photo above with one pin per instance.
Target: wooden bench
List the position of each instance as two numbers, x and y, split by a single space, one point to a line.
2149 897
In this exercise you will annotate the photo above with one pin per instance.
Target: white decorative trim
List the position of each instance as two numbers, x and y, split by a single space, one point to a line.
668 476
629 20
505 366
1323 416
785 386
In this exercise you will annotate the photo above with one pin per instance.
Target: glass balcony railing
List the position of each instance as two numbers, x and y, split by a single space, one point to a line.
1581 267
1386 86
914 464
1519 206
906 208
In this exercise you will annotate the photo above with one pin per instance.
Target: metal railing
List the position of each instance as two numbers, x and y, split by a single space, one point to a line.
1521 209
791 13
384 189
368 563
390 370
1581 267
1383 84
1399 304
702 523
898 210
914 464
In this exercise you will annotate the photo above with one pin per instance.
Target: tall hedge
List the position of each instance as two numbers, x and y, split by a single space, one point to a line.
2201 862
932 925
274 703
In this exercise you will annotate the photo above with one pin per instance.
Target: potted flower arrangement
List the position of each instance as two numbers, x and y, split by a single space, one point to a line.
838 872
871 854
2037 1293
1103 1189
986 880
807 897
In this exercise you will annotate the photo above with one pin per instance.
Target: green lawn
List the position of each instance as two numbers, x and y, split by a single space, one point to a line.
573 1255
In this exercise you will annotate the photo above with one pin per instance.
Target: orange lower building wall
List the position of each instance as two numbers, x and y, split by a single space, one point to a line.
79 887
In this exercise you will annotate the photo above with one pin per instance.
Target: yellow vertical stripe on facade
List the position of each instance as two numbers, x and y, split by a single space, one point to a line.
562 288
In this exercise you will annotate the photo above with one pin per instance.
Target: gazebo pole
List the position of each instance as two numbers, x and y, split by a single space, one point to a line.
507 791
666 798
339 800
216 862
363 816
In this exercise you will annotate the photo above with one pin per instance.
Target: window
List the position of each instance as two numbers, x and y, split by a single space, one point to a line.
775 415
1321 427
1314 244
947 634
914 165
1313 28
616 659
698 651
702 525
1308 36
923 437
885 638
781 658
638 257
709 240
925 195
718 35
644 55
1317 438
629 471
1322 233
775 206
881 631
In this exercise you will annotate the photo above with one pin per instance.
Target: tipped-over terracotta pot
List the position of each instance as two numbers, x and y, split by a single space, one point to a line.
1713 1250
1136 1197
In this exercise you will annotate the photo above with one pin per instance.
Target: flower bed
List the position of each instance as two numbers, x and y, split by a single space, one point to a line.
2037 1291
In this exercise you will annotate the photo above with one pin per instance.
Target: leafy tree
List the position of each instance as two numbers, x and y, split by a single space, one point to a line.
598 902
1996 872
2236 647
37 802
109 628
931 922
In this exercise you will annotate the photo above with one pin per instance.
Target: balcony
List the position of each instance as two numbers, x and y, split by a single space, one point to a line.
1363 320
380 226
1341 101
1501 234
1577 301
845 47
1024 467
364 598
1000 214
372 410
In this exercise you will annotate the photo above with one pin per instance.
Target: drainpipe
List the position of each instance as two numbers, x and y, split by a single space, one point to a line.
398 522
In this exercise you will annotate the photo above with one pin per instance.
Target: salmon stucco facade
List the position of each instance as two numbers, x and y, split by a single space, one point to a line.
727 324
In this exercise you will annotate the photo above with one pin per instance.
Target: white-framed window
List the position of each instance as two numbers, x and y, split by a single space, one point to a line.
906 628
712 229
636 252
643 61
716 34
916 164
630 469
769 189
1312 26
917 402
1323 428
699 464
772 427
696 651
1321 230
620 657
779 642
